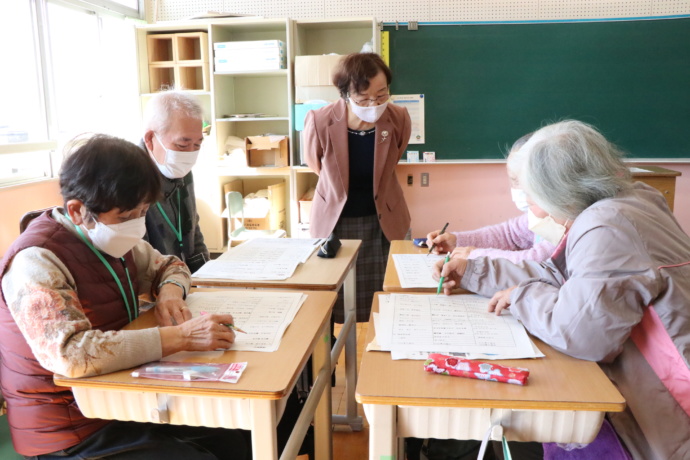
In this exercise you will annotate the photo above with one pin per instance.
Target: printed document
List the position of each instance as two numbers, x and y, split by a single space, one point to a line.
263 315
414 270
412 326
260 259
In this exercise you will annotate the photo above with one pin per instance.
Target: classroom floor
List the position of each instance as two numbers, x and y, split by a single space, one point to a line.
349 445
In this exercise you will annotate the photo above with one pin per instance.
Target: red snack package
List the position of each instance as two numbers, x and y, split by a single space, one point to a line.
450 365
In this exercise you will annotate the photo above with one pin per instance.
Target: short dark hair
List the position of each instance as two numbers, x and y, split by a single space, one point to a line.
107 172
356 69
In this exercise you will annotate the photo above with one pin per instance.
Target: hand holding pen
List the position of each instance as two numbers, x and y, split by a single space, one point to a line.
441 241
449 272
230 326
440 281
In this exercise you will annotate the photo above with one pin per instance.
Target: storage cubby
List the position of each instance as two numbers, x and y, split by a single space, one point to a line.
193 77
160 48
192 46
161 77
181 55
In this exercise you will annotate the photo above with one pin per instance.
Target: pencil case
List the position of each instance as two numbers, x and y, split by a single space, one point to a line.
458 367
329 248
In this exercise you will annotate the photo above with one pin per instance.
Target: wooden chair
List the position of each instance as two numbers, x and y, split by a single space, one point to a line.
29 216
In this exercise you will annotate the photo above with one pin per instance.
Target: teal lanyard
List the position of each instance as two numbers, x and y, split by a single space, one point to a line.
112 272
177 231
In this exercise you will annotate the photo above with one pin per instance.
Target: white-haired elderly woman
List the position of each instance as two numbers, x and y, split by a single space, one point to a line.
617 288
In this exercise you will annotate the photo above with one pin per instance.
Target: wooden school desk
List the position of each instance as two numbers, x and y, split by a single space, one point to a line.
391 281
251 404
320 274
660 178
564 401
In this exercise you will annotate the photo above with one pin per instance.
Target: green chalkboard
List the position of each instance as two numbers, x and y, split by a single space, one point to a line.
486 85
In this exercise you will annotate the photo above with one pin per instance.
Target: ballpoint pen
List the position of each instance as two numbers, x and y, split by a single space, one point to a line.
440 281
443 230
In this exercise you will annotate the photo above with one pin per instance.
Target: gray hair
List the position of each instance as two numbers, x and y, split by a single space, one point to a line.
162 106
568 166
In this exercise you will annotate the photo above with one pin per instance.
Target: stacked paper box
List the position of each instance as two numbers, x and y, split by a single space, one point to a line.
249 55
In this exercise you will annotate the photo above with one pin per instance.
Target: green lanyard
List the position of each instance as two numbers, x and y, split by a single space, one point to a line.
115 277
177 231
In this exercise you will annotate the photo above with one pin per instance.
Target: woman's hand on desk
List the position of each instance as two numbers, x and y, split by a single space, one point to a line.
451 272
445 242
203 333
500 301
170 307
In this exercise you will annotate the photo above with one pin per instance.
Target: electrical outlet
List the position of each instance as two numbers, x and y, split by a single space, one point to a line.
409 179
425 179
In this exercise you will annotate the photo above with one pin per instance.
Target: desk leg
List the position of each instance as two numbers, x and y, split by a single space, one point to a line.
264 436
382 432
350 304
323 439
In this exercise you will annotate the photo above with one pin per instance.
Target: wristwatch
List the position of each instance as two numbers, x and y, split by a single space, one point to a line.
176 283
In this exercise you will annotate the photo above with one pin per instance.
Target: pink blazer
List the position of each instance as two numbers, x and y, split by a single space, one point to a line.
326 152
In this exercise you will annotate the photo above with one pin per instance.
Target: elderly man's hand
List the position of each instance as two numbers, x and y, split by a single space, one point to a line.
444 242
171 309
452 273
500 301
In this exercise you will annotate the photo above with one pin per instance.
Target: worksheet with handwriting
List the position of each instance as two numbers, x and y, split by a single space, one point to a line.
450 324
262 315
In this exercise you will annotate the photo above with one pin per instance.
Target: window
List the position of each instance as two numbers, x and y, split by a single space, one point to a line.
71 68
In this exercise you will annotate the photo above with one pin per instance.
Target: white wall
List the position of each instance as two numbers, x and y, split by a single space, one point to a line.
421 10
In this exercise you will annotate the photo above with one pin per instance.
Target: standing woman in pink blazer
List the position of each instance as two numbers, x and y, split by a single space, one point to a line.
353 145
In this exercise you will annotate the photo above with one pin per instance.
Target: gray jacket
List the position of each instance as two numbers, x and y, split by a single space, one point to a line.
593 293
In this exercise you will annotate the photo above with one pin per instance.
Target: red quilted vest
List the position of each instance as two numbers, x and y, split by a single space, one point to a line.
43 417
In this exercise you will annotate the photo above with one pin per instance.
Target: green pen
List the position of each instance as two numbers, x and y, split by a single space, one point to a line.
440 282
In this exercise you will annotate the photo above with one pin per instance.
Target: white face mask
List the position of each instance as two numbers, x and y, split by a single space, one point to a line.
368 114
117 239
520 199
546 227
176 164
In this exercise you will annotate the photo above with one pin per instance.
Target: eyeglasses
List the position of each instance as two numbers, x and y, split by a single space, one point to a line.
378 100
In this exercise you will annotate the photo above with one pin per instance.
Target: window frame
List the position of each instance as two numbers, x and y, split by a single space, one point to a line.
45 84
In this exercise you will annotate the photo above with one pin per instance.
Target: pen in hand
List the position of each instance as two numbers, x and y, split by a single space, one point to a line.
443 230
228 325
233 327
440 281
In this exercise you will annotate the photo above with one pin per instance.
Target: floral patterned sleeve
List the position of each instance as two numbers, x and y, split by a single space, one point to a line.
40 294
154 268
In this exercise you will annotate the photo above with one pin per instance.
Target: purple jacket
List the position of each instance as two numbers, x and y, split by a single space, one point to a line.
510 240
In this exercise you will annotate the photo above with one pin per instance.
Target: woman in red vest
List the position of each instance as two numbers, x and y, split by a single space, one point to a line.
70 282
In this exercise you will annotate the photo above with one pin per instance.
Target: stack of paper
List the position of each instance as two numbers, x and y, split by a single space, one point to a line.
260 259
412 326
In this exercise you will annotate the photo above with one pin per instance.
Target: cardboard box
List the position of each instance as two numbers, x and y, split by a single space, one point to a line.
315 70
314 78
305 206
275 218
267 151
